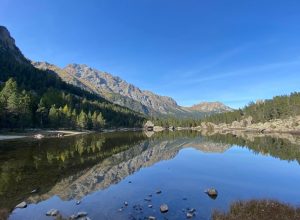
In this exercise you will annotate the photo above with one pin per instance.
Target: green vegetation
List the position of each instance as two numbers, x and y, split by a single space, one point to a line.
278 107
54 108
258 209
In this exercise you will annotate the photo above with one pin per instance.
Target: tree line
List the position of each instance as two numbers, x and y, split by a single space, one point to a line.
56 109
278 107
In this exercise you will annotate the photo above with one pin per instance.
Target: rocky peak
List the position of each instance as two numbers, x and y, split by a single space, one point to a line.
210 107
5 38
8 46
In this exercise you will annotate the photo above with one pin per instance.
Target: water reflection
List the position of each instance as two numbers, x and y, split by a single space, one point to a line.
74 167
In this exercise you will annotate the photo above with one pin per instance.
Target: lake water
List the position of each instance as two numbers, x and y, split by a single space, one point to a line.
105 170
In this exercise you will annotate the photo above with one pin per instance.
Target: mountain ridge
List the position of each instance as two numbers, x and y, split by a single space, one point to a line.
119 91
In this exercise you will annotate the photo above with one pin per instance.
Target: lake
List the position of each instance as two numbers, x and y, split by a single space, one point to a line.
105 170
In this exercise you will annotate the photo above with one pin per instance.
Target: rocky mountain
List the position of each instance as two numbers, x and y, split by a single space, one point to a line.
209 107
119 91
8 46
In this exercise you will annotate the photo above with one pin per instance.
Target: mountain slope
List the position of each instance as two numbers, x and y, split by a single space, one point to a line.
210 107
45 91
120 92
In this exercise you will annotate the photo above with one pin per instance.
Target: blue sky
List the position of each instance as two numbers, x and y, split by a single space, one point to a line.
192 50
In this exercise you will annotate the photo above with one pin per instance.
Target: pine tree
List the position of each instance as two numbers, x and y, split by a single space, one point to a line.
82 120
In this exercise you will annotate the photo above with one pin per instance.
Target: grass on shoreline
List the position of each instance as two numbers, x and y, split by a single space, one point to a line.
258 210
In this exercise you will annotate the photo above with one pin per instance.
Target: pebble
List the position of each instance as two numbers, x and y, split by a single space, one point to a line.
150 206
158 192
81 214
189 215
52 212
164 208
21 205
78 202
126 203
148 200
151 218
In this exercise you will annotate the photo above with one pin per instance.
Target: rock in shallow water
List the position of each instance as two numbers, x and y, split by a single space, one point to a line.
52 212
164 208
21 205
189 215
151 218
213 193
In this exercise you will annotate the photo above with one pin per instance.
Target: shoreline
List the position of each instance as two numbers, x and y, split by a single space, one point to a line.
30 133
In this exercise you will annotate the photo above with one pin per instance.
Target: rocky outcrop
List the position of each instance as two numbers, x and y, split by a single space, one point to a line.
7 45
287 125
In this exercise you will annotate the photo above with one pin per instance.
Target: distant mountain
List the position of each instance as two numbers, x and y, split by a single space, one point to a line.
119 91
209 107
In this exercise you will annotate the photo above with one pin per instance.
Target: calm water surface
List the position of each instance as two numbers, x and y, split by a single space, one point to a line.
105 170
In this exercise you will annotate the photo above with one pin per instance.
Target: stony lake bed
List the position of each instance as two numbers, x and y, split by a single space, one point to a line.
128 175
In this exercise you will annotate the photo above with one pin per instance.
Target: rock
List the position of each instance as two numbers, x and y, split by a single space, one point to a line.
213 193
34 191
164 208
81 214
151 218
38 136
147 200
158 192
21 205
78 202
189 215
126 203
52 212
158 128
150 206
120 210
129 182
192 210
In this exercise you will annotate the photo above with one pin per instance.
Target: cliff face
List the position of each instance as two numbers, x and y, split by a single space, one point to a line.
8 47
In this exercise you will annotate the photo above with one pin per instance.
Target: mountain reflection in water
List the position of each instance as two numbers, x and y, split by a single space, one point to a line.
82 167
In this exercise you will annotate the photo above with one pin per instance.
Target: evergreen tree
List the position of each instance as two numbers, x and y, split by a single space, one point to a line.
82 120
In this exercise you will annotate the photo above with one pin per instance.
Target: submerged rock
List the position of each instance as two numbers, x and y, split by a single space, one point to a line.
126 203
150 206
151 218
164 208
21 205
158 192
81 214
78 202
52 212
